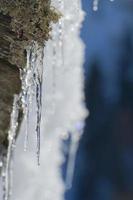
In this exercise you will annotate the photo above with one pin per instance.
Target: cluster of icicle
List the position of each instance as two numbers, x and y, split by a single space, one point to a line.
31 79
54 110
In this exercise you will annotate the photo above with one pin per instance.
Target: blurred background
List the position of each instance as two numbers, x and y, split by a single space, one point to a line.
104 164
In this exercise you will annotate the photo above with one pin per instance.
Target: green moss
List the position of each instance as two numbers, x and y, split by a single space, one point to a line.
31 21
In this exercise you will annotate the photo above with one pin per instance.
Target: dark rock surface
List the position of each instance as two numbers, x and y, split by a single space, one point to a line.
10 44
9 78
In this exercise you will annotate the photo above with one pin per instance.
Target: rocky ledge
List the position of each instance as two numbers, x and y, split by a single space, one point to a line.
21 22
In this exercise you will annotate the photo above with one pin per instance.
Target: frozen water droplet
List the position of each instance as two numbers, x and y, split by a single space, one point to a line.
95 5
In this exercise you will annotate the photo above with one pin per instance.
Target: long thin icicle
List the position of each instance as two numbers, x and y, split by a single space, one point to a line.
26 94
7 169
74 143
38 80
61 30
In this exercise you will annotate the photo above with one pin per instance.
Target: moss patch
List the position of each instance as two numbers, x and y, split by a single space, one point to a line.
30 21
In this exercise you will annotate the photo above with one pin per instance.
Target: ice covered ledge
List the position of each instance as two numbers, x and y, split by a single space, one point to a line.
36 16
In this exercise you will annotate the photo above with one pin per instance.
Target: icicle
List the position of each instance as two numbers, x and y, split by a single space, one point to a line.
95 5
38 81
26 94
54 65
31 78
8 161
74 143
71 161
